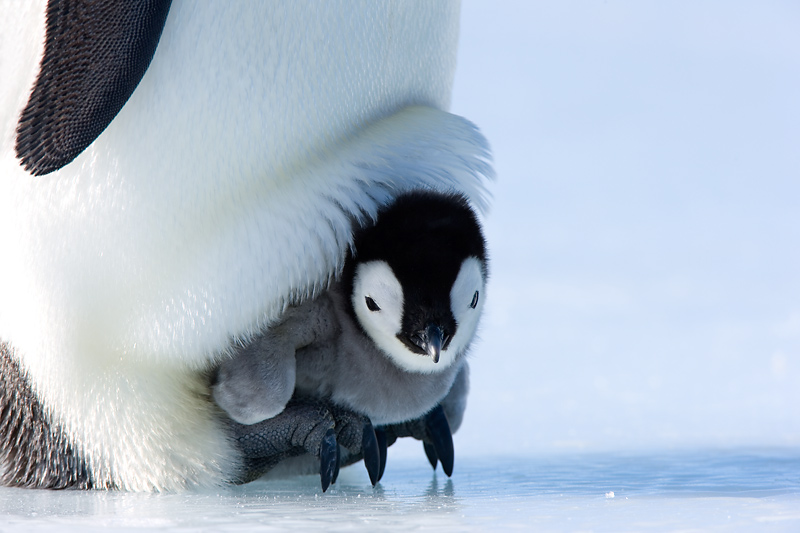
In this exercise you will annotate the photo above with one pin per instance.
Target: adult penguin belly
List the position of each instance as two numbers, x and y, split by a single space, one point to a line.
223 189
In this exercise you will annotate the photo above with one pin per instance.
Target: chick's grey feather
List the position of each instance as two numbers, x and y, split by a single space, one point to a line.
259 380
357 375
318 346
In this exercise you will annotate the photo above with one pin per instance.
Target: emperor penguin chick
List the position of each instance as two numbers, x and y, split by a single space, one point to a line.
389 339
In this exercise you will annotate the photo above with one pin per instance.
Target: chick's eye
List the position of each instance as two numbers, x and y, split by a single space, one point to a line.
474 302
371 305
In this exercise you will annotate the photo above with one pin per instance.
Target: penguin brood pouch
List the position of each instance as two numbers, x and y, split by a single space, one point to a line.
385 345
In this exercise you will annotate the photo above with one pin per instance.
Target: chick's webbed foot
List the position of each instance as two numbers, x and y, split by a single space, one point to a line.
308 426
435 429
434 432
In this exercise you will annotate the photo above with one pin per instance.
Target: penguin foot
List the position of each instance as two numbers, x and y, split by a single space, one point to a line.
308 426
434 432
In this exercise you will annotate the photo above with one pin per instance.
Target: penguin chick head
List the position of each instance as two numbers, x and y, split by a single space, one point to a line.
416 280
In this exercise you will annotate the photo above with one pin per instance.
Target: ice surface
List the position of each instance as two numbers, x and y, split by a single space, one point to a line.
708 491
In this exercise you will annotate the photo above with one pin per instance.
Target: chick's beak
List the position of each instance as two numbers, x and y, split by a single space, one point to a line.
430 341
433 341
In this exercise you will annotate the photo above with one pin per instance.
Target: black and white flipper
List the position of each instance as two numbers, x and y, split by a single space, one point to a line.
95 54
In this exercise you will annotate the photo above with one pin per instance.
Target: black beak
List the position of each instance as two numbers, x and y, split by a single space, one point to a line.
429 341
433 342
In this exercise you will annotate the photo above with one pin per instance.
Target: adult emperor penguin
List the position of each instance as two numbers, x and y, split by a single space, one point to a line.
173 175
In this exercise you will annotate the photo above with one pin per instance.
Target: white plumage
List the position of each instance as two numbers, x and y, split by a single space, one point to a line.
223 190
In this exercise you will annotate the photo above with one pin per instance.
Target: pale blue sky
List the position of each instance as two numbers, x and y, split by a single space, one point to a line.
646 225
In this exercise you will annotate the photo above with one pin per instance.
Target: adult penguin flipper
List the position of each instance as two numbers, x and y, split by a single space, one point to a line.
95 54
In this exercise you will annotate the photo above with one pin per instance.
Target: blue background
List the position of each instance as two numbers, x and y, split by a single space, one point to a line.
646 224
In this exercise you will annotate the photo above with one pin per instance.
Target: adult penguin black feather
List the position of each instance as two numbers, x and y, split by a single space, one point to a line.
99 50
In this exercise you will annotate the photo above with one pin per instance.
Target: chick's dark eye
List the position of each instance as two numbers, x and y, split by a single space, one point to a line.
474 303
371 305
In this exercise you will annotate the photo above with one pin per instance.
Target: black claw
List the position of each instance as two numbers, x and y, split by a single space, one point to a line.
372 456
380 435
338 464
441 437
328 452
430 451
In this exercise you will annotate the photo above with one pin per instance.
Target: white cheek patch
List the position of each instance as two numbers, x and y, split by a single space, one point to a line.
376 280
469 281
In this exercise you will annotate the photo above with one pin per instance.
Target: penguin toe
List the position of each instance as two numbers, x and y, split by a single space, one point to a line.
439 433
430 453
433 430
328 459
372 454
380 437
355 433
